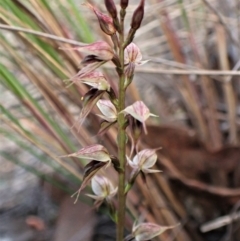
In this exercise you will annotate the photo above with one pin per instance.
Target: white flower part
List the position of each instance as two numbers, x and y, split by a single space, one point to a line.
144 160
147 231
139 111
132 54
108 110
102 188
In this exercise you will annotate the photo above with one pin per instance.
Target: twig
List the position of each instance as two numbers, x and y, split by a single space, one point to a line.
170 63
222 221
41 34
186 72
236 67
189 72
230 230
219 222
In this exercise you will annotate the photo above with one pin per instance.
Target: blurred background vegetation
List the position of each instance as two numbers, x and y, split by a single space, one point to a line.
192 83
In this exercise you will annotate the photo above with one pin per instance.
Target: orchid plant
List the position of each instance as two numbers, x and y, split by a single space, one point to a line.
130 120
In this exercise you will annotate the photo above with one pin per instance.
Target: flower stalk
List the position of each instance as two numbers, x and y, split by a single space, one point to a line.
121 137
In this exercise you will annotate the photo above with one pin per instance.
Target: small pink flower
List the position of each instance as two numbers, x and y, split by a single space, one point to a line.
132 54
132 57
140 112
144 160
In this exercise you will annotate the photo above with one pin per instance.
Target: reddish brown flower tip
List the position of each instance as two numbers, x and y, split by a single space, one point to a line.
111 7
138 16
124 4
105 22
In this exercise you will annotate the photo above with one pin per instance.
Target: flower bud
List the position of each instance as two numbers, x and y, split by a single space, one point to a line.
111 7
124 4
105 22
138 16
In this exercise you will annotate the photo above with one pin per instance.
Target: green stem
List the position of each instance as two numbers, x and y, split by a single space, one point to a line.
121 138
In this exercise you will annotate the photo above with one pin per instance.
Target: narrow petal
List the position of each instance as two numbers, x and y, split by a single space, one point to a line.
105 125
150 170
95 197
87 69
142 62
132 163
89 101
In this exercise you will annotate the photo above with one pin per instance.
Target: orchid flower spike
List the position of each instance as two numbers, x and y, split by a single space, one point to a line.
140 112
